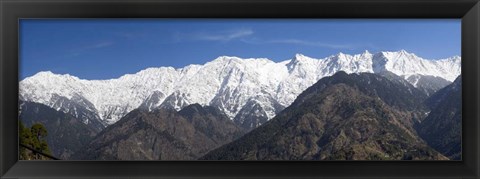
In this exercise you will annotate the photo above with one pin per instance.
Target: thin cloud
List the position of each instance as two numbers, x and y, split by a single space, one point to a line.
225 36
215 36
98 45
131 34
299 42
246 35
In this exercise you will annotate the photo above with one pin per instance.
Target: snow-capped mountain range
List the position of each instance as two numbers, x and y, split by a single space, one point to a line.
228 83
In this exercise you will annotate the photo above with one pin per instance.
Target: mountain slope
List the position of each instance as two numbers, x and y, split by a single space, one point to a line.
254 113
428 84
442 128
212 122
343 117
162 134
226 83
80 108
66 134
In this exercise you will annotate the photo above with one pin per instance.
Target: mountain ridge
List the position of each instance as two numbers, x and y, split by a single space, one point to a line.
227 83
338 118
162 134
442 128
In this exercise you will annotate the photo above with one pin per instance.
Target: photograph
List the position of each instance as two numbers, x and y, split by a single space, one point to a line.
169 89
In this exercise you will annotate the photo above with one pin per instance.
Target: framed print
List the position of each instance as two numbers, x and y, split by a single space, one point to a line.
247 89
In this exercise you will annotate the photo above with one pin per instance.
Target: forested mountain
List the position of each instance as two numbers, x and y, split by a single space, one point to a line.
66 134
442 128
343 117
163 134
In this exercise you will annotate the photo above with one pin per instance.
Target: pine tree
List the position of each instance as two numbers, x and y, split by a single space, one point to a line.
33 137
24 138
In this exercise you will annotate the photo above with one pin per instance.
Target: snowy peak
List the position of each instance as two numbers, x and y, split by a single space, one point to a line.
227 83
366 53
407 64
300 57
49 74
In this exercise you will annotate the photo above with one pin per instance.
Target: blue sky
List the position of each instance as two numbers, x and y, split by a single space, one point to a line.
104 49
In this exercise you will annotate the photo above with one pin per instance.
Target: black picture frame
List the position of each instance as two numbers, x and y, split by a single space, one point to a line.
12 10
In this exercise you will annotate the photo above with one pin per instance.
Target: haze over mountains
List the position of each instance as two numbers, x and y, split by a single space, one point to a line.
249 91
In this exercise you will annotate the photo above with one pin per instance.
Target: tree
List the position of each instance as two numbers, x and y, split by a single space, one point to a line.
25 139
33 137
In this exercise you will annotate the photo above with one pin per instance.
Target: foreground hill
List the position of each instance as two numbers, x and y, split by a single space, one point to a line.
442 128
163 134
66 133
342 117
